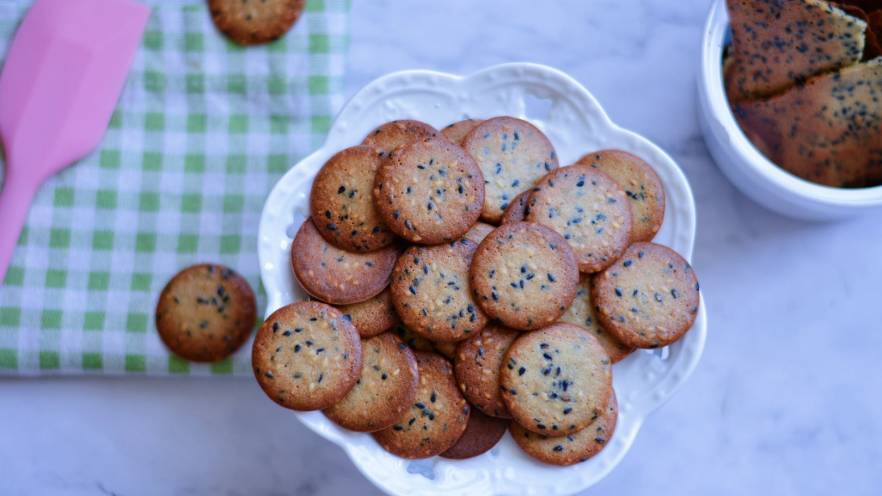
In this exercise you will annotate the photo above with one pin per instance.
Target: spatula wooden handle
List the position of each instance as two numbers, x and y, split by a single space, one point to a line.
15 201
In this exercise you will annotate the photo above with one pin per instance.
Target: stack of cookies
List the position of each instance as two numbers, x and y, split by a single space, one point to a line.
465 284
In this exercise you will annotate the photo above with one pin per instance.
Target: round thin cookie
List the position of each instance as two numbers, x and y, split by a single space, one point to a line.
572 448
393 134
431 293
477 364
385 389
437 418
429 191
649 298
581 313
205 313
342 205
478 232
412 339
251 22
513 154
337 276
373 316
589 209
306 356
556 380
517 209
481 435
642 187
458 130
525 275
445 348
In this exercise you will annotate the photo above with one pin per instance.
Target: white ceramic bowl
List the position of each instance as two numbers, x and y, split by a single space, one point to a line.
754 174
576 124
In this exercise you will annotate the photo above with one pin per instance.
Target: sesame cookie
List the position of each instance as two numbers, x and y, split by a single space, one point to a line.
393 134
588 209
481 435
431 293
648 298
581 313
373 316
429 191
458 130
641 184
525 275
572 448
513 154
342 205
445 348
478 232
437 418
828 130
477 363
306 356
251 22
385 389
517 209
556 380
412 339
337 276
205 313
778 44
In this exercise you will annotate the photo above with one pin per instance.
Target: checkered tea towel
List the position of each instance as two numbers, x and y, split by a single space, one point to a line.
202 131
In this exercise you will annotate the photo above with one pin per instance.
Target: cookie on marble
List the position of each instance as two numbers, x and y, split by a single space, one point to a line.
384 390
458 130
517 209
649 298
252 22
373 316
588 209
478 232
391 135
437 418
582 313
429 191
641 185
557 380
342 203
306 356
477 364
481 435
572 448
512 154
205 313
431 291
337 276
524 275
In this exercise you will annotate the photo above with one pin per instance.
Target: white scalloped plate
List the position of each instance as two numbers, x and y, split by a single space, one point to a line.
576 124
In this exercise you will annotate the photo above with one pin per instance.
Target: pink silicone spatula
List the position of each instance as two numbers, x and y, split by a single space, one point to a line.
62 77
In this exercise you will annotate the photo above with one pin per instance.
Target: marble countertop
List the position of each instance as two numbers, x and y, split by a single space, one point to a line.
786 400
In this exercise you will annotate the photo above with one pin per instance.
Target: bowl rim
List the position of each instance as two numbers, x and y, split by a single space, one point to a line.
714 92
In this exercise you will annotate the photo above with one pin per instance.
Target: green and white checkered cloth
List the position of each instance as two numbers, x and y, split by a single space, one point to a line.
202 131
